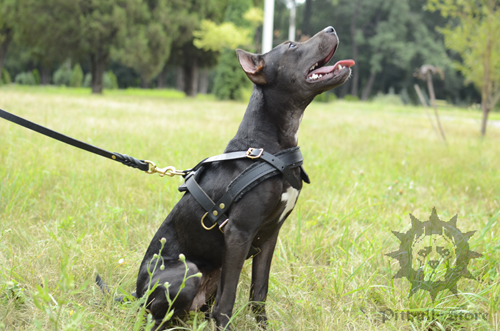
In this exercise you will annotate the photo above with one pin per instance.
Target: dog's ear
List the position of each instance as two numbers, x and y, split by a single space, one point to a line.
253 65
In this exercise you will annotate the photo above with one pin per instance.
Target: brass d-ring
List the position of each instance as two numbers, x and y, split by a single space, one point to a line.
203 225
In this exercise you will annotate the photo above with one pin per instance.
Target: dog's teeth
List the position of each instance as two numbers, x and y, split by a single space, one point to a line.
340 67
315 76
314 66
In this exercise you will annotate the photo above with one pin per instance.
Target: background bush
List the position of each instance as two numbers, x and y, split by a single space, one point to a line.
5 77
109 80
25 78
62 76
76 76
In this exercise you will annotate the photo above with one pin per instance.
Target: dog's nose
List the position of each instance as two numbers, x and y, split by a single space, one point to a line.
330 29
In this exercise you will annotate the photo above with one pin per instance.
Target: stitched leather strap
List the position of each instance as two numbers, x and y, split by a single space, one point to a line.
122 158
273 164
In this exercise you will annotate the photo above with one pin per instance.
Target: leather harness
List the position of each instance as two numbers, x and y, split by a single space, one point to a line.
266 165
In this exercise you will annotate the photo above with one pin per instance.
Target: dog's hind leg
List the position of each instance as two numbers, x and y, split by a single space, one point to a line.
261 266
170 282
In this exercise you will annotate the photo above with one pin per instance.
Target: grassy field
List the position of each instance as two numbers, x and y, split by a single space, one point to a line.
66 214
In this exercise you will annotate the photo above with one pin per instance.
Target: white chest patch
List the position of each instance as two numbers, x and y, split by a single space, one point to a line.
290 198
297 133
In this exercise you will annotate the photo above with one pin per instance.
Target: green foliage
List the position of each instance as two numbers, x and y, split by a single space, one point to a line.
36 75
87 80
62 76
109 80
388 99
213 37
325 97
146 39
49 42
230 78
350 97
5 77
476 38
11 292
25 78
76 79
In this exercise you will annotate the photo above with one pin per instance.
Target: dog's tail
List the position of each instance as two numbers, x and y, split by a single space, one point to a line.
105 290
102 285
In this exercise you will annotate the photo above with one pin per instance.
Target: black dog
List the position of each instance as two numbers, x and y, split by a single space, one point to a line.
286 80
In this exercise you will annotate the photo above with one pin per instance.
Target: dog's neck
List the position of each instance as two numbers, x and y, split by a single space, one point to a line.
270 122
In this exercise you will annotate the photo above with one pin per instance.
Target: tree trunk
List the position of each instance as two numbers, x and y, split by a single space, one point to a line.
4 46
180 82
486 89
306 29
98 62
203 84
344 89
368 87
45 75
144 83
191 78
355 71
484 122
162 78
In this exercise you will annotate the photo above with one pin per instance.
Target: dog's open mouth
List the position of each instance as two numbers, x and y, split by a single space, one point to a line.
318 72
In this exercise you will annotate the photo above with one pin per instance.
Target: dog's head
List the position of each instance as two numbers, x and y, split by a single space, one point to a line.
299 67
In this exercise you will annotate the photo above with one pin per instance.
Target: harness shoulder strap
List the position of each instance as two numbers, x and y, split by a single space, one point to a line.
282 162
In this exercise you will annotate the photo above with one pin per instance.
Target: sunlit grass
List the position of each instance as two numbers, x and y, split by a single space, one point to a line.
65 213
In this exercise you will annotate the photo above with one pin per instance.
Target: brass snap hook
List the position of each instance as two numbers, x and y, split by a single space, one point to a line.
168 171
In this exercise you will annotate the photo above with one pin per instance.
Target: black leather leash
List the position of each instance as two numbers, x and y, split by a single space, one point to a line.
122 158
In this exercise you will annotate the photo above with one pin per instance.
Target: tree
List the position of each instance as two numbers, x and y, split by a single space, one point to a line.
102 23
230 79
8 9
146 45
400 40
49 42
389 36
185 56
475 34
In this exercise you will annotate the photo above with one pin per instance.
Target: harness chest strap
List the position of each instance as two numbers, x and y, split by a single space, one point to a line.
267 165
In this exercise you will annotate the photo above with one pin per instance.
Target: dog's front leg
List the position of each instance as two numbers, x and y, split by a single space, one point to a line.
261 267
237 246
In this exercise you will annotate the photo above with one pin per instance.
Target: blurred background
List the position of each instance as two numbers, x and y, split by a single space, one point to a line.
189 45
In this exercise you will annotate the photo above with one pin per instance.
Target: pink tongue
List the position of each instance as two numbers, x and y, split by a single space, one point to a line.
345 63
325 70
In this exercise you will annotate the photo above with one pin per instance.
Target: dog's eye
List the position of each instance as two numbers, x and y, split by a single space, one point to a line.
292 45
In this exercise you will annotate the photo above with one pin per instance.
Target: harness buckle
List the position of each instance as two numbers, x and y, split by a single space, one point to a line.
222 225
254 153
203 225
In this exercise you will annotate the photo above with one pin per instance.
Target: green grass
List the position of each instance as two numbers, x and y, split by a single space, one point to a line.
65 213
